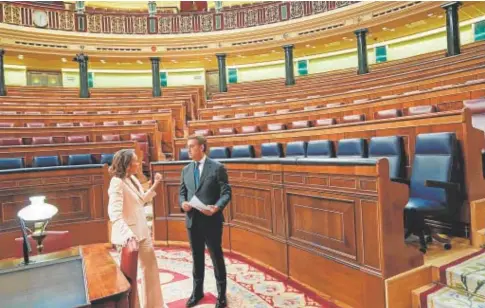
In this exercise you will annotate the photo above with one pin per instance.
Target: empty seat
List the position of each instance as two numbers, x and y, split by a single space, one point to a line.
283 111
352 148
77 139
353 118
42 140
110 123
130 122
334 104
8 112
87 124
5 125
35 124
421 109
392 148
219 117
124 112
243 151
80 112
219 152
80 159
301 124
250 129
106 159
227 131
272 149
255 104
10 141
11 163
32 113
145 110
108 138
320 148
104 112
66 124
475 105
260 113
203 132
240 115
276 127
147 122
434 188
387 114
324 122
308 108
142 140
56 112
45 161
296 149
184 154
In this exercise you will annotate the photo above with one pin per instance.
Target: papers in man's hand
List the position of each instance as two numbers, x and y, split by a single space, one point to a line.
197 204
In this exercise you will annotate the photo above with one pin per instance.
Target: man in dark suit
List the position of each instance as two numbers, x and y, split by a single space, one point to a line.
207 179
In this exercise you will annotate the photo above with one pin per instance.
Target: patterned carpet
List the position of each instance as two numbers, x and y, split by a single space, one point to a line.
249 285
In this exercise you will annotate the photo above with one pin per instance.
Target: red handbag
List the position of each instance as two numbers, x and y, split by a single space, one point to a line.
129 267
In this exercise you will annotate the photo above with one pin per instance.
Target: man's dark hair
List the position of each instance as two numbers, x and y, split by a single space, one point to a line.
200 140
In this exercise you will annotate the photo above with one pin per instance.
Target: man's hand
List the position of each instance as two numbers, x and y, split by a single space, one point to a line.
213 209
186 206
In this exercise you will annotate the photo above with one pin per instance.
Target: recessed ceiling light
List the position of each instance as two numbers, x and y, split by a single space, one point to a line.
21 57
307 45
384 28
314 47
64 60
440 16
139 61
102 61
430 14
273 50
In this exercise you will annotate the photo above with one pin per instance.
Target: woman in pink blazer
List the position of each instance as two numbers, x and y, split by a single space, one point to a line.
129 224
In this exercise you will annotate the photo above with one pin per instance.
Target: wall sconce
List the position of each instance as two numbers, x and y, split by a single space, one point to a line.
38 214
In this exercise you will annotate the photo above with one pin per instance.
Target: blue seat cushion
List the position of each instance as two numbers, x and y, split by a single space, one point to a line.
392 148
106 159
184 154
355 147
272 149
424 205
11 163
80 159
296 149
219 152
320 148
45 161
243 151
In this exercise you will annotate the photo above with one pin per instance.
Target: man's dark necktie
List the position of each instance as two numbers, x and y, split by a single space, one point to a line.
196 175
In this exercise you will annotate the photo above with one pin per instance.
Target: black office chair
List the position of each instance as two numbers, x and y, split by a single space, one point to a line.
434 185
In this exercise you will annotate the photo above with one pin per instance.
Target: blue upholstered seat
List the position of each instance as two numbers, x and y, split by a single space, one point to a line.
352 148
219 152
106 159
296 149
392 148
11 163
79 159
243 151
435 159
272 149
184 154
45 161
320 148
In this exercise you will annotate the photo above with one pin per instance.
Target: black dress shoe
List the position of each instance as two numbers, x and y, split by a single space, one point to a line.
221 303
194 300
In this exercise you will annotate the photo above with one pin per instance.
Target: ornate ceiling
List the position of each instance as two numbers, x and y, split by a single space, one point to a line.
311 35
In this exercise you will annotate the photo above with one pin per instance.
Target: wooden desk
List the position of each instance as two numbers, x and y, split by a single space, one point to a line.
332 224
102 279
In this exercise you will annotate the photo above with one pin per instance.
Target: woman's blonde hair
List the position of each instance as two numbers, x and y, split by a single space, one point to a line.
121 161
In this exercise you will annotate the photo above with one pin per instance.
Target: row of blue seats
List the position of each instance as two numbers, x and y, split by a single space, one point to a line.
53 161
435 183
391 147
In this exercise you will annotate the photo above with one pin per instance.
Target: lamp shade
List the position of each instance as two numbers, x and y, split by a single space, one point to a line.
38 210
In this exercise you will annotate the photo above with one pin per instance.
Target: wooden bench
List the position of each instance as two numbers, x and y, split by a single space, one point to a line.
342 217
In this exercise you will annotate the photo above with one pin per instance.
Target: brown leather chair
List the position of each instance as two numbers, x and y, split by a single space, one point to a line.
77 139
42 140
10 141
5 125
109 138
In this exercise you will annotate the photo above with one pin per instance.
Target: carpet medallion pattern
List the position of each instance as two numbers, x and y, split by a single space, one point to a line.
249 285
